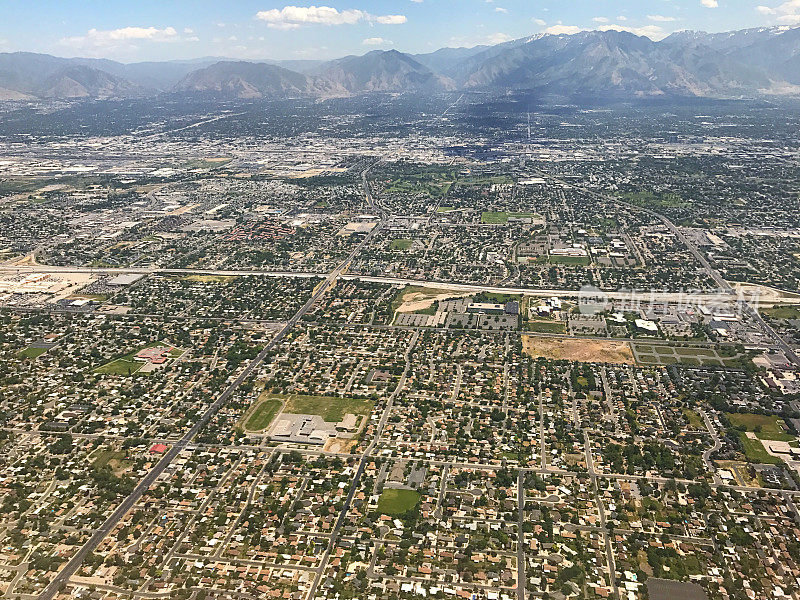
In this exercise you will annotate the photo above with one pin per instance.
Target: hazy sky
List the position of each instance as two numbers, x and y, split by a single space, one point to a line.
178 29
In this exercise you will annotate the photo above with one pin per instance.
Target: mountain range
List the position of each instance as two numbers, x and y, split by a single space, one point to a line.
611 64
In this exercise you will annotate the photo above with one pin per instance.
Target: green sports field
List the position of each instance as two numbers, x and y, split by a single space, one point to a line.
397 502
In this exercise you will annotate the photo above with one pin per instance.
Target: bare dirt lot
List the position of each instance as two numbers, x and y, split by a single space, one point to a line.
579 350
339 445
764 295
413 301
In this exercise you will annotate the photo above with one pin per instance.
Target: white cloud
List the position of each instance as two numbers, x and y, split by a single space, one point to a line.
500 9
391 19
661 18
601 19
122 38
283 26
787 13
478 40
789 19
622 18
563 29
709 3
499 38
654 32
377 41
539 22
292 17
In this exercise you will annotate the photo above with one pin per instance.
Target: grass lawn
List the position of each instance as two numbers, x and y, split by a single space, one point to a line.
569 260
120 366
772 427
497 297
512 455
751 420
127 365
435 186
209 278
500 218
695 356
445 209
101 264
263 414
782 312
329 408
207 163
776 437
485 180
397 502
546 326
103 457
688 352
755 452
32 352
98 297
695 420
401 244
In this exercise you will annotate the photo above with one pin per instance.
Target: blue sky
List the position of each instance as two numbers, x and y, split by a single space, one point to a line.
259 29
